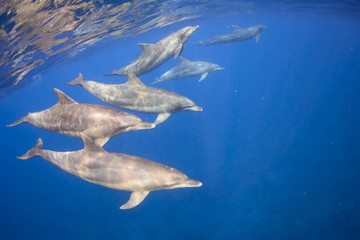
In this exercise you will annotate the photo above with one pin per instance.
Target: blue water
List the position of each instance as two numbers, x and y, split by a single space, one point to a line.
277 146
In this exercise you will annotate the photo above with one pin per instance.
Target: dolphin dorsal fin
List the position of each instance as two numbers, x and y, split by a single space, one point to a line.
90 145
133 80
63 98
183 60
236 27
145 46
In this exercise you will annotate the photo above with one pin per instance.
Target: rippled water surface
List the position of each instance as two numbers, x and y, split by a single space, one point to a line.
36 34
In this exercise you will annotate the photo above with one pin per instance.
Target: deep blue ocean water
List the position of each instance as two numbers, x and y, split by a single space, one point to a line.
277 146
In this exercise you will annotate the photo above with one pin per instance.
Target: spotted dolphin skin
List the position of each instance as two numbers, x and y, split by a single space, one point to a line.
239 34
136 96
187 69
115 170
71 118
153 55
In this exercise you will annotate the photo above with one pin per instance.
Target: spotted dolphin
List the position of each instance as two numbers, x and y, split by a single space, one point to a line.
136 96
188 68
153 55
239 34
115 170
71 118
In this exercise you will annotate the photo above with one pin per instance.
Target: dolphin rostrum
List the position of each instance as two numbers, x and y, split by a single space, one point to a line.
187 68
239 34
136 96
115 170
153 55
71 118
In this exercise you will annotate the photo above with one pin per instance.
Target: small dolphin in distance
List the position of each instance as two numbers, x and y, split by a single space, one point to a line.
188 68
115 170
153 55
239 34
71 118
136 96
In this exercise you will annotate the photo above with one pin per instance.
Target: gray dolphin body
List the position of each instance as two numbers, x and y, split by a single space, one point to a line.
71 118
187 68
115 170
136 96
153 55
239 34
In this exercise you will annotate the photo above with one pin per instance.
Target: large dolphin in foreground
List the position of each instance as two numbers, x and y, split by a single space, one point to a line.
136 96
115 170
153 55
239 34
71 118
187 68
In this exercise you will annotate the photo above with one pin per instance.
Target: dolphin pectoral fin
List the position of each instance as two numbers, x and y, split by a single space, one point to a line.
178 51
90 145
257 37
203 76
135 199
161 118
101 141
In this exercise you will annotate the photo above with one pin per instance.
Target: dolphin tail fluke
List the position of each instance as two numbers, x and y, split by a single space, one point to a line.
135 199
77 81
35 151
17 122
110 74
120 72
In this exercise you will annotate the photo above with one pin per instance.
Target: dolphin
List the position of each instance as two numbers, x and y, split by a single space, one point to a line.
71 119
153 55
239 34
136 96
115 170
187 68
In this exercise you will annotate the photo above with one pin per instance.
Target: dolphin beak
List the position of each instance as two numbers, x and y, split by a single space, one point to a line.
189 183
193 183
196 108
145 125
194 28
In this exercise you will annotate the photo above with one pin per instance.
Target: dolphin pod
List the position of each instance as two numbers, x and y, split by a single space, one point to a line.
239 34
96 124
71 118
115 170
134 95
188 68
153 55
